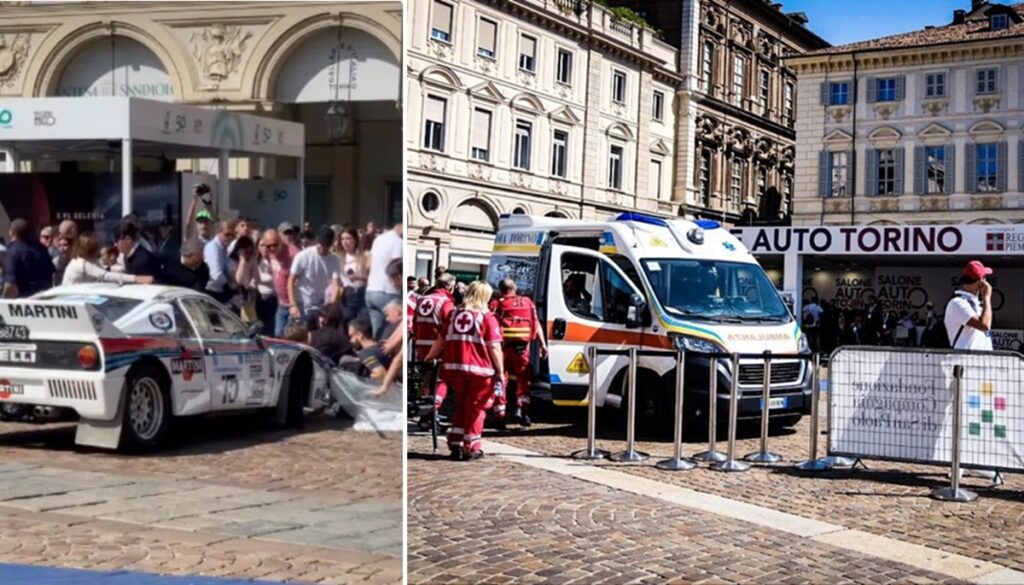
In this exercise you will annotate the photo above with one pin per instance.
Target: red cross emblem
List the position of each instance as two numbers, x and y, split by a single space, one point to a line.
464 322
426 307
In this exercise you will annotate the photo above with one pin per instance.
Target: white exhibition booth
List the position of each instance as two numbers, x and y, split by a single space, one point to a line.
907 266
72 128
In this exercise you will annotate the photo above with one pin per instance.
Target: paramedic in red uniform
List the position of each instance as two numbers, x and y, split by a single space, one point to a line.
520 327
432 310
472 366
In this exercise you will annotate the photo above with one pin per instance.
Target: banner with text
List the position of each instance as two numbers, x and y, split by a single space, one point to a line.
891 240
898 405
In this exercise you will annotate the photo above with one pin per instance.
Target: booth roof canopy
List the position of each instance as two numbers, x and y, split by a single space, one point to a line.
172 129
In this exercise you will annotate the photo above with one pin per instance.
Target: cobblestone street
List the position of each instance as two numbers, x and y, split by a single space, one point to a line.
541 516
236 499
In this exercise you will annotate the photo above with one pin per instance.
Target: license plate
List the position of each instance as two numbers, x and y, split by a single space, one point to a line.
775 403
13 333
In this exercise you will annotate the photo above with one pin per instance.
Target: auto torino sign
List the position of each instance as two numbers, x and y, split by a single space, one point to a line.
887 240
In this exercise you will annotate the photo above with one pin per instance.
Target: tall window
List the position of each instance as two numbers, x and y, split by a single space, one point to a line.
839 94
840 172
738 74
655 180
935 162
762 180
527 53
787 194
988 167
486 38
563 73
764 90
615 167
521 154
787 103
705 177
935 85
987 80
658 106
619 86
559 153
886 172
998 22
707 70
480 149
441 23
736 182
434 113
885 89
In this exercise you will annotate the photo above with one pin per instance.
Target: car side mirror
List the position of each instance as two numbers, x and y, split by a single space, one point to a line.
635 312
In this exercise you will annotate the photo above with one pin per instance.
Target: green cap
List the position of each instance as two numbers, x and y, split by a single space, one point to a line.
204 214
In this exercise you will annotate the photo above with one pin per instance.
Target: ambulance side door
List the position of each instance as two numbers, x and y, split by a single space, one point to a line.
590 301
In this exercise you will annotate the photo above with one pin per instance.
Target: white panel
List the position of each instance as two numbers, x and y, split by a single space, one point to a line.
367 70
136 72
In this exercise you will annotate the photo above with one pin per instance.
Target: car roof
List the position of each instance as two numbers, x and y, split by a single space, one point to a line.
140 292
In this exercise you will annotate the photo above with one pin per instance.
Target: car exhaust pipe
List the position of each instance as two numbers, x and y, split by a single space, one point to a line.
44 412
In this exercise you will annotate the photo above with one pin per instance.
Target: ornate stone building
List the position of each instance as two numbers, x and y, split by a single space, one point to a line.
737 104
917 128
292 60
546 107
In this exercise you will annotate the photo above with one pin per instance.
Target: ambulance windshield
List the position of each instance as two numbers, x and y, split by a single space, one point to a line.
729 292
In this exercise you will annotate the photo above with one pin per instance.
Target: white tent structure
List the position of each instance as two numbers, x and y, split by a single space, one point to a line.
69 128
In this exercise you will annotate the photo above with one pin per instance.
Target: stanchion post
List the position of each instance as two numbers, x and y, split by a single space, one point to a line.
677 462
712 455
730 463
954 493
813 463
591 452
763 455
630 454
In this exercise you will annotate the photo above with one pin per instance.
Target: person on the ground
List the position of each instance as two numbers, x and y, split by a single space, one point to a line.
137 259
46 238
215 255
313 271
267 267
520 327
367 348
473 368
331 335
353 277
28 268
188 270
60 262
380 290
432 312
84 266
968 317
246 275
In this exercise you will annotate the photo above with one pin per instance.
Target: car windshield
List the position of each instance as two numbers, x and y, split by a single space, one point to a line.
112 308
715 291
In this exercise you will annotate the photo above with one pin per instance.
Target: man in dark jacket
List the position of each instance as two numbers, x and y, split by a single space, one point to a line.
28 268
137 259
188 272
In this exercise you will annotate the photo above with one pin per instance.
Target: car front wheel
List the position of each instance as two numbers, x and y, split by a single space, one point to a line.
146 414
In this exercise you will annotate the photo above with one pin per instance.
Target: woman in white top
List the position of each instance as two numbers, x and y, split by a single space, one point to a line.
353 274
267 267
83 267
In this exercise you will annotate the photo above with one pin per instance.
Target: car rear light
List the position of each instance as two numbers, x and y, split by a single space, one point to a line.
88 357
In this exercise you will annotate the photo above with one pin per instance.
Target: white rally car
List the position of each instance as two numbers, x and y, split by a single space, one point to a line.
128 359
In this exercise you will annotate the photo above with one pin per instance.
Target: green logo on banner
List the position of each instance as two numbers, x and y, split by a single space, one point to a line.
5 117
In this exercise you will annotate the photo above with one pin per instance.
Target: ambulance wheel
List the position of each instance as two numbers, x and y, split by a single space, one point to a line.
146 416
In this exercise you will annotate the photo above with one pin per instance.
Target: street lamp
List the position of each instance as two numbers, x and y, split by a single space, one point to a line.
338 122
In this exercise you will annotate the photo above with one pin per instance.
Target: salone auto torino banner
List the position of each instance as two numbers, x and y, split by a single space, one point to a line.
898 405
975 240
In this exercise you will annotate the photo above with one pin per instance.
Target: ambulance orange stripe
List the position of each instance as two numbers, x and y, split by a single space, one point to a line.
580 333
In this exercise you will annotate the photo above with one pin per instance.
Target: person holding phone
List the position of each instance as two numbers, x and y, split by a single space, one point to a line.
968 317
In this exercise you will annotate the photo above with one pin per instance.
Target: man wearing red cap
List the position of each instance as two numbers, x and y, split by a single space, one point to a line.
969 313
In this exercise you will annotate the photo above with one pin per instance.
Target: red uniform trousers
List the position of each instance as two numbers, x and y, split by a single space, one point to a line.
518 372
472 396
441 387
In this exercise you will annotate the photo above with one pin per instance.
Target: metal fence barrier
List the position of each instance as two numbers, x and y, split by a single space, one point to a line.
763 455
677 462
712 455
423 375
591 452
630 453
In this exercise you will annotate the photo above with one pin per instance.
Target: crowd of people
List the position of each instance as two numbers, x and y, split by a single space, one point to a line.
337 288
479 342
830 324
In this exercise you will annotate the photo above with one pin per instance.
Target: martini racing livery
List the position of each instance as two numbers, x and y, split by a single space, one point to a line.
128 360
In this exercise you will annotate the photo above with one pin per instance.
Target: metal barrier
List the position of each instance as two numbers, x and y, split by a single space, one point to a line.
677 463
591 452
763 455
415 399
731 464
630 454
813 463
953 493
712 455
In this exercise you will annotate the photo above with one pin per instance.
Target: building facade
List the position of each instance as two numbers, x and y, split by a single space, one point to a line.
917 128
291 60
735 138
543 107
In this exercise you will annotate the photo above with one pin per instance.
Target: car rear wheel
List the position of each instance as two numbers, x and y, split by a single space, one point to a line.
299 383
146 417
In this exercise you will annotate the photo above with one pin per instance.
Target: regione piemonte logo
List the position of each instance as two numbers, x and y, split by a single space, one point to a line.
995 242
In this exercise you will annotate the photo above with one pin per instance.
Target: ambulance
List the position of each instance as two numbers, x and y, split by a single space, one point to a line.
652 283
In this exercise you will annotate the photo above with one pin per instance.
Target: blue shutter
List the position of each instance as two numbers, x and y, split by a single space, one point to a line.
1001 167
825 90
920 171
871 170
971 168
901 87
872 90
824 173
950 166
897 186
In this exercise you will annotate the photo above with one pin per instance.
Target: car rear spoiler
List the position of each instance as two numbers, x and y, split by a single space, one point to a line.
22 320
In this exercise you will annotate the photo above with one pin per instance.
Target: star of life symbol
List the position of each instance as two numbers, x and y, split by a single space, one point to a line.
426 307
464 323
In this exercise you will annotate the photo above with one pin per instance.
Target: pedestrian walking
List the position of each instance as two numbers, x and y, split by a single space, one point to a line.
28 268
84 266
215 255
968 317
520 327
432 313
472 367
380 290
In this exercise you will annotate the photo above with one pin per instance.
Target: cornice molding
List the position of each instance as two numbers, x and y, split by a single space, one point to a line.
909 57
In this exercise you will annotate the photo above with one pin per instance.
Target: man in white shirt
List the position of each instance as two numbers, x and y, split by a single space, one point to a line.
968 317
380 291
313 271
811 314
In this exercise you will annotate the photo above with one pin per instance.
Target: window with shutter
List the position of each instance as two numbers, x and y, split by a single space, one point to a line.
1001 167
871 168
441 23
970 168
838 173
527 53
950 166
615 167
480 145
824 173
487 36
434 122
563 73
987 168
522 146
654 188
559 152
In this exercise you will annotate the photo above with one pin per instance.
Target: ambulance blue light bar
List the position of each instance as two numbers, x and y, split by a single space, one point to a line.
707 224
641 218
